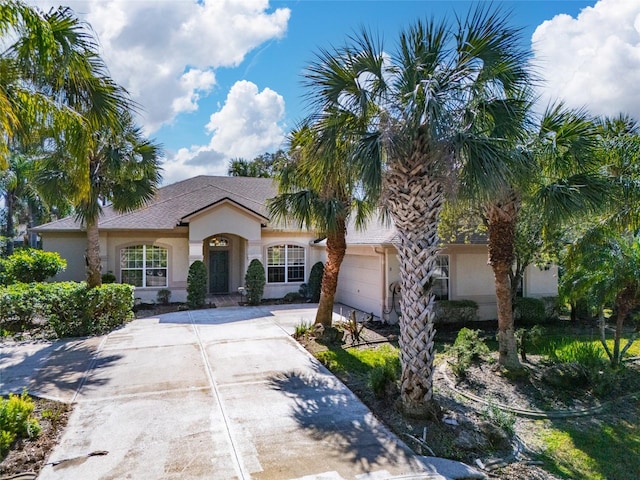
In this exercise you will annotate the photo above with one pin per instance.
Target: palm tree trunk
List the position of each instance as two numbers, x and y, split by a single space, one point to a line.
336 248
414 199
94 273
624 303
502 217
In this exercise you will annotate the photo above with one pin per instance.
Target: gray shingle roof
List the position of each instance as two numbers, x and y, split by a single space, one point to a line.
174 203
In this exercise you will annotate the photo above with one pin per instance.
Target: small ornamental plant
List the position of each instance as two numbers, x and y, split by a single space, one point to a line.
254 281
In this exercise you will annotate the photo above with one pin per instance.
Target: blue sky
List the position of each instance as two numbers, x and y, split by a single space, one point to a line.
220 79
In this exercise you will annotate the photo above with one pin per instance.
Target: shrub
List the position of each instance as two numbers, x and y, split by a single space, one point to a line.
75 310
529 311
384 376
16 420
108 277
315 282
197 285
303 329
163 296
456 311
467 349
292 297
18 304
254 281
31 265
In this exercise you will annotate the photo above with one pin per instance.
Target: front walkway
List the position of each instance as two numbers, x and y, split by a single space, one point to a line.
221 393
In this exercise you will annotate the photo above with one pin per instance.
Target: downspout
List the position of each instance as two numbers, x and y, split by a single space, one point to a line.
383 255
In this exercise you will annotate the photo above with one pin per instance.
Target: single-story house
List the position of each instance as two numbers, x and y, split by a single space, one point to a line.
223 221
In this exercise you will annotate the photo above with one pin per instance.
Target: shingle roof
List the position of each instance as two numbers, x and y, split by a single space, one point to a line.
173 203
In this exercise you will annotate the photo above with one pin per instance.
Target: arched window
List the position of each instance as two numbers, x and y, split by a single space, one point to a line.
144 266
285 264
219 242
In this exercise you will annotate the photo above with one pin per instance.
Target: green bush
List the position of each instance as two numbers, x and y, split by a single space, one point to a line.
75 310
315 282
108 277
19 304
16 421
467 349
456 311
197 285
163 296
31 265
529 311
72 309
292 297
384 376
254 281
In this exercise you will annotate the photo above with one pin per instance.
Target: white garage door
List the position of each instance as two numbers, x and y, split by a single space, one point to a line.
359 283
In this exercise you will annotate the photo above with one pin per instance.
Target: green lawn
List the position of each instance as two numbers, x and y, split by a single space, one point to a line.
595 449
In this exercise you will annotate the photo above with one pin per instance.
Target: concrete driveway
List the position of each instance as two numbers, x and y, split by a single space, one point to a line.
223 393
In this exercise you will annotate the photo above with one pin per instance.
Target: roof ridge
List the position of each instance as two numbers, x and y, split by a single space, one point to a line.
238 194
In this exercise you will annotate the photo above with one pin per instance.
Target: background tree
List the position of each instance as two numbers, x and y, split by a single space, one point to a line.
605 267
263 166
318 188
443 107
124 172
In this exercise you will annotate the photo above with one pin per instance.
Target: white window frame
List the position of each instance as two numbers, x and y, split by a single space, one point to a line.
146 267
286 265
446 278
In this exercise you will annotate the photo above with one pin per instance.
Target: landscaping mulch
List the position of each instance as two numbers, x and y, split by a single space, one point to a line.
30 454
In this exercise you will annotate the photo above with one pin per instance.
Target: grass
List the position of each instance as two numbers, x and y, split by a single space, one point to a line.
598 450
357 361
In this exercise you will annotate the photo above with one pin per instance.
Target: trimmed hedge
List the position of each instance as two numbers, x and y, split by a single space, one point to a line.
72 309
456 311
529 311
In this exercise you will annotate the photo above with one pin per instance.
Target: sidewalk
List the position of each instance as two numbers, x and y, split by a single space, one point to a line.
222 393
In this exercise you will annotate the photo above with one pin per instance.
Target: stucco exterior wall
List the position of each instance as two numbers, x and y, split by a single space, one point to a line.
71 247
367 275
541 282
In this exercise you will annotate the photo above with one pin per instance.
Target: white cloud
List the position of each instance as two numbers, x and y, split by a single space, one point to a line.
165 53
593 60
247 125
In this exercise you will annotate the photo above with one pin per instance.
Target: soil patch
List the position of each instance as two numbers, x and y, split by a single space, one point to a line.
30 454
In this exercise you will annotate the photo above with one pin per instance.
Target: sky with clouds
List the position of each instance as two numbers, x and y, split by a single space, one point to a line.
220 79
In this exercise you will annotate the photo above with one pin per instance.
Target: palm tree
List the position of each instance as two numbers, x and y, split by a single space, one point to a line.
449 100
124 171
53 86
19 193
317 188
605 267
562 179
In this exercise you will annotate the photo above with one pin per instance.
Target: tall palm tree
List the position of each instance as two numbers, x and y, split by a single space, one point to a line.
562 179
449 99
318 189
124 171
54 85
605 266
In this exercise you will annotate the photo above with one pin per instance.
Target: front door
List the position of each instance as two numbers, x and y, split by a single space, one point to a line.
219 271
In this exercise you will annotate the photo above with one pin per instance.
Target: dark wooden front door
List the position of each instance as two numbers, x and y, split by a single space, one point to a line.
219 271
